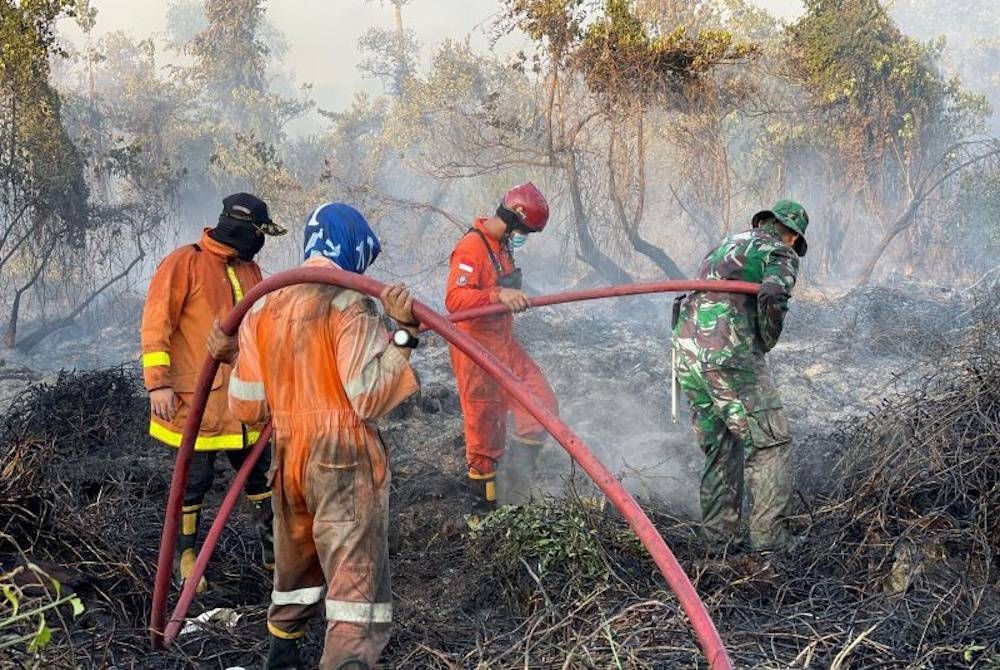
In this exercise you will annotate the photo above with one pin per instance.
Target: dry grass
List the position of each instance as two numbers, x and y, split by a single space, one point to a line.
898 569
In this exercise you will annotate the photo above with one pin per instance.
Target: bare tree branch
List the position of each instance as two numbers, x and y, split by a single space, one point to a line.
906 219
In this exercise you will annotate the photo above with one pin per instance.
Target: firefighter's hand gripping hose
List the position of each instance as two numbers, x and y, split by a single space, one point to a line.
701 623
708 285
717 285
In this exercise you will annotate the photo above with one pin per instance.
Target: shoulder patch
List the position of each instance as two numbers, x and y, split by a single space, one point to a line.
258 304
345 298
465 268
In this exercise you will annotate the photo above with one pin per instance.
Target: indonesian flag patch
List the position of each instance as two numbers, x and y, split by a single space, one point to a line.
463 279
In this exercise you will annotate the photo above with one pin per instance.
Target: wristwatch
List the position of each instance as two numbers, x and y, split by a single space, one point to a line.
402 338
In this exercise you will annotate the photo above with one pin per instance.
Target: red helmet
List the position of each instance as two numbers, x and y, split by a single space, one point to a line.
529 204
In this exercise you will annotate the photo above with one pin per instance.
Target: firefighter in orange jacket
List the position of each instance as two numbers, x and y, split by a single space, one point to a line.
318 361
482 272
193 287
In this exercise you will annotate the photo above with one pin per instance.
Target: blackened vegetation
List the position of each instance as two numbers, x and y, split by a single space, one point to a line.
82 495
897 569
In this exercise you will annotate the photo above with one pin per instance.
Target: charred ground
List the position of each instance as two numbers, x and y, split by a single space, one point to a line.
894 396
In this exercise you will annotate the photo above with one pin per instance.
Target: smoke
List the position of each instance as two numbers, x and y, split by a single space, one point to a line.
967 36
409 167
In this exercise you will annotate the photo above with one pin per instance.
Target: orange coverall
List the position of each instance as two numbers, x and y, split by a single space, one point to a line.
472 282
191 288
318 361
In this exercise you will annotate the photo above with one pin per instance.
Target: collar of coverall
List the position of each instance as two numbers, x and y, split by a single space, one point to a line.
318 261
214 246
479 223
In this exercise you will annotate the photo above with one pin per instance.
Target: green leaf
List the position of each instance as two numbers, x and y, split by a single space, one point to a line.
77 606
52 580
42 636
11 594
970 652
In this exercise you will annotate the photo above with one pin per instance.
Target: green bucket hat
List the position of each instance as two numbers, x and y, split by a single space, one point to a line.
790 214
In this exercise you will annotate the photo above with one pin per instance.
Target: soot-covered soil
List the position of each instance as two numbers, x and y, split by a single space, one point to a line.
894 401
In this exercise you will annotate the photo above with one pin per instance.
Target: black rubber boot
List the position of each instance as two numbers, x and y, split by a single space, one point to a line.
352 664
186 553
284 655
486 494
523 456
520 469
263 519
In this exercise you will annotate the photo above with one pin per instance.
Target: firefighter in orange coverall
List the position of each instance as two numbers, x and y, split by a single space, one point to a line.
482 272
193 287
318 361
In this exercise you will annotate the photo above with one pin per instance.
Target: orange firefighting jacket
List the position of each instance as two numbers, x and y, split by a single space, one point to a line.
191 288
472 282
318 361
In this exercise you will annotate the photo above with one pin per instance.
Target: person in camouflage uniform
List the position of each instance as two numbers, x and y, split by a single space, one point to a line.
719 344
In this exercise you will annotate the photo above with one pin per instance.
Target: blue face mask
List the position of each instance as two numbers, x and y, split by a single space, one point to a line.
518 240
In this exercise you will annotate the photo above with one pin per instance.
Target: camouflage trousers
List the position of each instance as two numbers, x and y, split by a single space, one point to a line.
736 413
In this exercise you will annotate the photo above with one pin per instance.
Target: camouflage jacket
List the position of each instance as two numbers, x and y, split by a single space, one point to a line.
719 327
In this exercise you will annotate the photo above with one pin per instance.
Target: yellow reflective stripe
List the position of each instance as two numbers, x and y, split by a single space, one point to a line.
256 497
155 358
491 491
202 443
476 475
189 523
277 632
235 283
191 508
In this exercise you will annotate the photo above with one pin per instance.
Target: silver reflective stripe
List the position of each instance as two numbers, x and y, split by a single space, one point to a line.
242 390
345 298
307 596
365 382
363 613
385 364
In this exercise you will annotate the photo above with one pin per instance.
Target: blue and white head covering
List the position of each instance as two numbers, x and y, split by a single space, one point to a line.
340 233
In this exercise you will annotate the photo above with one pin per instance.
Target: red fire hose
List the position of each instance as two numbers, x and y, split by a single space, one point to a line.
701 623
212 537
708 285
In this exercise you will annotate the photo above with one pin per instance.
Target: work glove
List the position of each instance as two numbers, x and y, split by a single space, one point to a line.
220 346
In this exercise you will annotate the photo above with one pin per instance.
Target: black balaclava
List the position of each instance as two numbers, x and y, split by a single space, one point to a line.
510 217
240 235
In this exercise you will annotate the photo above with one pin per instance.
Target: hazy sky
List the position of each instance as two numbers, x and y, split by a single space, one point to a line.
323 34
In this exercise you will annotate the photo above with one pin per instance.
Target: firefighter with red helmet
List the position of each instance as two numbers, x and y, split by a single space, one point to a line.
482 272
